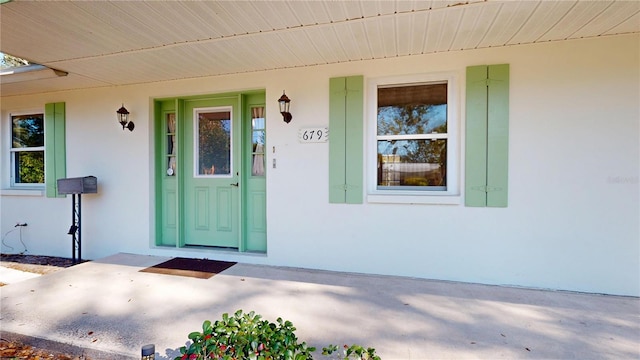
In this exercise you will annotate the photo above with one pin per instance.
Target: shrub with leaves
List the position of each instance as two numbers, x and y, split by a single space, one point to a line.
245 336
352 352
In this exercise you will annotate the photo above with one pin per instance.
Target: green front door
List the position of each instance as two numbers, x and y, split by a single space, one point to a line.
212 172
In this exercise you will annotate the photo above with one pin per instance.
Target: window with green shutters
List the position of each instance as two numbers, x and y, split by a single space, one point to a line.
487 136
412 136
37 153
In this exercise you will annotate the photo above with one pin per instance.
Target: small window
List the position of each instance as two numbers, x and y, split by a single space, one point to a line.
257 141
27 150
171 143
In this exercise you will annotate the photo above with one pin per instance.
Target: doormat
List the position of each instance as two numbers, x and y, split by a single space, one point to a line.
197 268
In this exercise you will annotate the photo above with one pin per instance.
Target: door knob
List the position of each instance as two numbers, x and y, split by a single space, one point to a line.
235 184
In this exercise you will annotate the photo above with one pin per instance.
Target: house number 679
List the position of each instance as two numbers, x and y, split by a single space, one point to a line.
313 135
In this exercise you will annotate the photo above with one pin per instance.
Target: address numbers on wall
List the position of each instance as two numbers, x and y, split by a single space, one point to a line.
313 135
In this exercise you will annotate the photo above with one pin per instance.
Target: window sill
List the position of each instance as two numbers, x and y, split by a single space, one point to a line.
21 192
413 199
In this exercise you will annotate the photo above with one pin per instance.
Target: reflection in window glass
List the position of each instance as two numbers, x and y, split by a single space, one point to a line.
27 148
171 144
214 143
412 163
412 137
258 141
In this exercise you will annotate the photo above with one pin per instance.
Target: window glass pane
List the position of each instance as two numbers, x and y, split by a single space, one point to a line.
258 138
258 141
171 144
29 167
416 109
257 123
171 123
27 131
412 163
214 143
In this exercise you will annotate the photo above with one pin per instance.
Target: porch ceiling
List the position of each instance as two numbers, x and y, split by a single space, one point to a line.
106 43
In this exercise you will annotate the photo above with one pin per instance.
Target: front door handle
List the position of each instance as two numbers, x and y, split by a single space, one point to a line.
235 184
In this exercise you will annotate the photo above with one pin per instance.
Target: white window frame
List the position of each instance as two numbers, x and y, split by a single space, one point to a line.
12 151
452 193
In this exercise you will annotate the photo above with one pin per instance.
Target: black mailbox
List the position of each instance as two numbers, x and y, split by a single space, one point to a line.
79 185
76 187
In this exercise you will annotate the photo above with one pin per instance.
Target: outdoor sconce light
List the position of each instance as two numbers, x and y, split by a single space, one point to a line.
284 107
123 119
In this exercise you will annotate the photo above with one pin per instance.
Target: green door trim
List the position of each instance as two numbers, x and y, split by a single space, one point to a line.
178 106
253 191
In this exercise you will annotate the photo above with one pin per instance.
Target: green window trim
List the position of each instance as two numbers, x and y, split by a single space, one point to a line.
487 136
55 147
346 141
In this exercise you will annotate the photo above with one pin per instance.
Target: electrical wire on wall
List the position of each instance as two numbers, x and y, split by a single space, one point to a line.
18 227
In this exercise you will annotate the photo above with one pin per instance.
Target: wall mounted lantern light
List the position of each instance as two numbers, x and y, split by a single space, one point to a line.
123 119
284 107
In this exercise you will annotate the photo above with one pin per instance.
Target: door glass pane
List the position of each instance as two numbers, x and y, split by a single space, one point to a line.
213 138
258 141
171 144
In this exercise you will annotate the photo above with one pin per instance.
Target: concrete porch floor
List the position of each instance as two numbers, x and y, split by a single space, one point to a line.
108 305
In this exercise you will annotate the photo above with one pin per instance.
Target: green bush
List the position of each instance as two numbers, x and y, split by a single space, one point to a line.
353 352
248 337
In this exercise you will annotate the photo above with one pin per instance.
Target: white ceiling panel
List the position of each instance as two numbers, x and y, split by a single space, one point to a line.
169 22
255 16
403 32
579 16
434 31
388 36
309 12
375 39
418 35
545 16
326 42
374 8
302 48
507 23
476 22
449 28
617 12
107 42
352 37
631 25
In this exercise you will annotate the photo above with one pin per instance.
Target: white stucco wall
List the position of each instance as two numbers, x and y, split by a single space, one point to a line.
573 217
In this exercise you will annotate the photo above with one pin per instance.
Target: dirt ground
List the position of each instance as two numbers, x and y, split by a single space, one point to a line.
17 350
11 350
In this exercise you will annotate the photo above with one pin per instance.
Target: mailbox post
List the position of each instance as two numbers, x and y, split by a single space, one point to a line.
76 187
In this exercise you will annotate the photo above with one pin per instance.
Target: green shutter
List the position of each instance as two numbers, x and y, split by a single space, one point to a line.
476 137
346 140
498 136
487 136
337 140
55 148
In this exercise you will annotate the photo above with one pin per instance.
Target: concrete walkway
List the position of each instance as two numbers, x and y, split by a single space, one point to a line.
11 276
108 305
